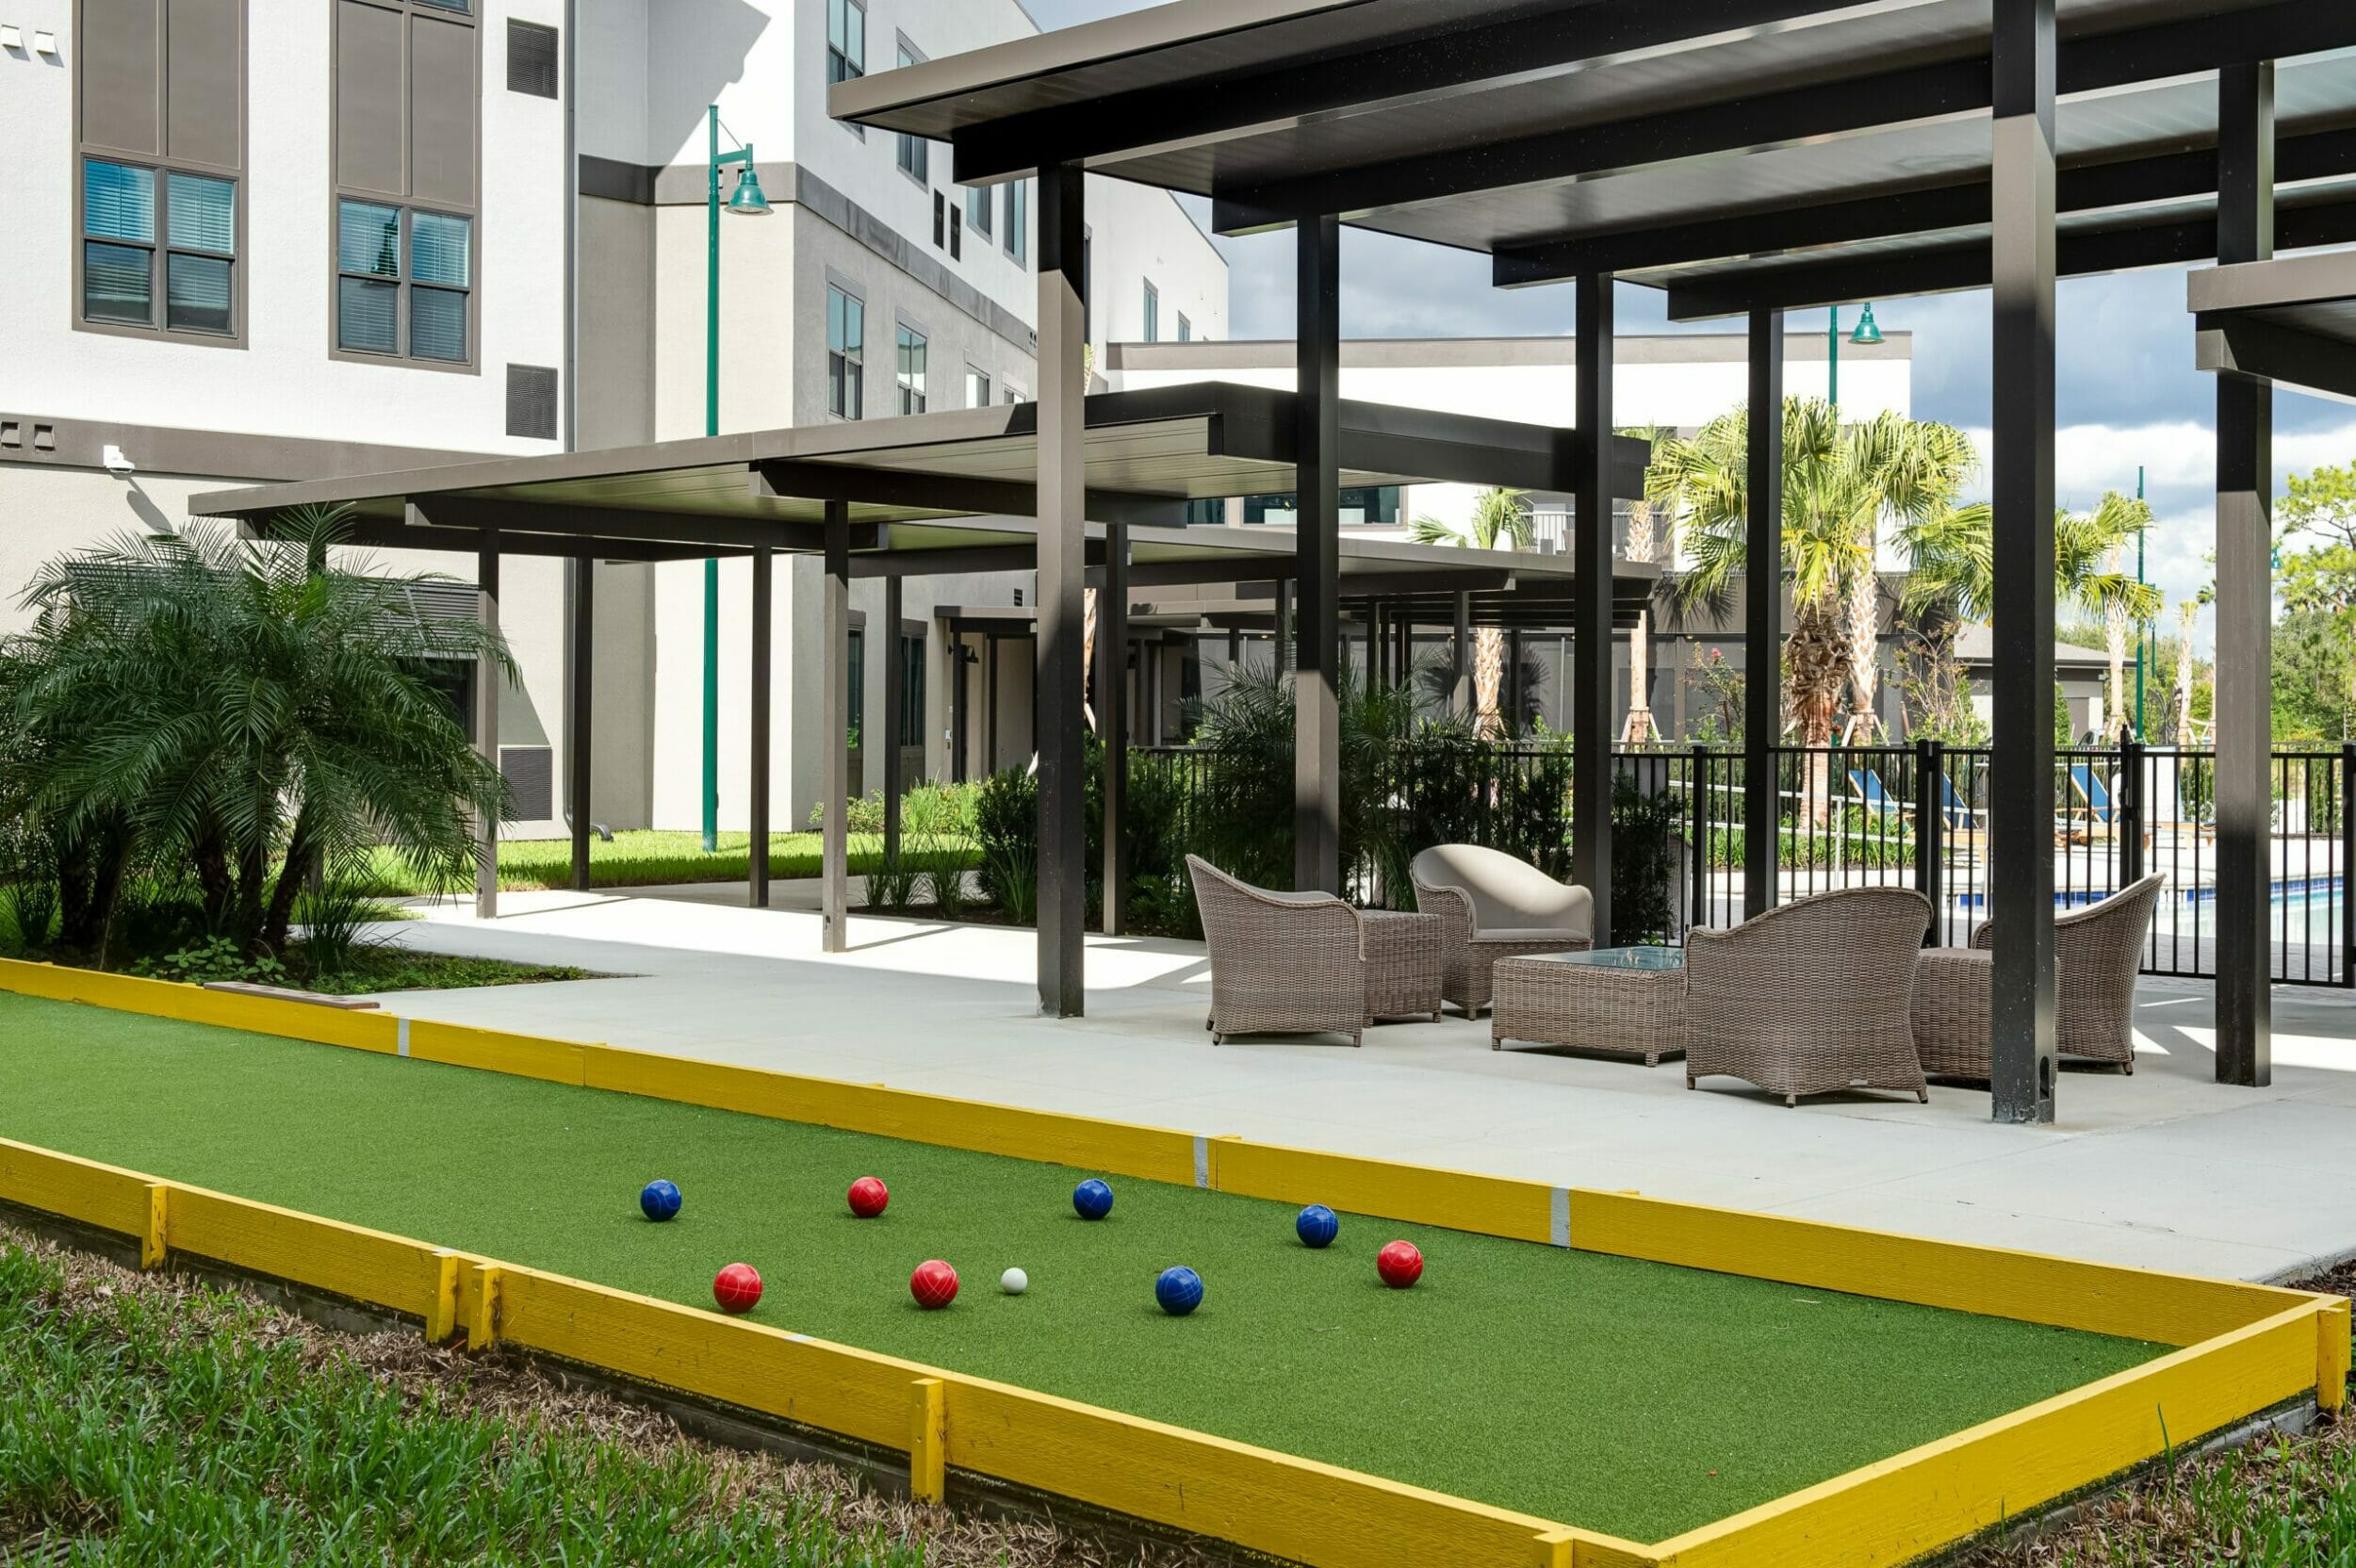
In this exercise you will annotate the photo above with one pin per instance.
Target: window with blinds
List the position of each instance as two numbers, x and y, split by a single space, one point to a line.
407 88
159 160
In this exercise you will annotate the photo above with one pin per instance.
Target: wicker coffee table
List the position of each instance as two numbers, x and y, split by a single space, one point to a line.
1627 1000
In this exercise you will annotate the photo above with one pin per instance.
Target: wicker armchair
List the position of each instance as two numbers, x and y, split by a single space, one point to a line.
1811 997
1309 963
1492 906
2097 953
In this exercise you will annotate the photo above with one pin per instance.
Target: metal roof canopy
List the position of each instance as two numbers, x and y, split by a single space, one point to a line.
2291 321
917 483
1739 152
926 493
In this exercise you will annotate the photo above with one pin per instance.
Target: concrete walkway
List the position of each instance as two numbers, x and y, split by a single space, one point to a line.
2164 1169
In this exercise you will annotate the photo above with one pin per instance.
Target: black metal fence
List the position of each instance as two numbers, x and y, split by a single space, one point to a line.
1850 816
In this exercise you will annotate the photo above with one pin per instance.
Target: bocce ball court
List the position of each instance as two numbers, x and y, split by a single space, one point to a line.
1637 1398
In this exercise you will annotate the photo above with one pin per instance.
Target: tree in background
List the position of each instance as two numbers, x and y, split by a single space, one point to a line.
2315 643
1952 582
238 716
1840 483
1643 513
1500 521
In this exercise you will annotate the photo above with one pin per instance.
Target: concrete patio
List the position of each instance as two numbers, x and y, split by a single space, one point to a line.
2166 1168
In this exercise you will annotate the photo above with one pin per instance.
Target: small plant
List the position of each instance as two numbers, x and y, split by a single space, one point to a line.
334 914
1005 822
214 959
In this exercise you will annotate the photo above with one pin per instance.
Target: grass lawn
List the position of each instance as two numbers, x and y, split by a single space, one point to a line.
649 859
1628 1396
144 1421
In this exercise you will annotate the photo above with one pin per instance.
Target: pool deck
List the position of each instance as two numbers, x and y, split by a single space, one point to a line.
2164 1169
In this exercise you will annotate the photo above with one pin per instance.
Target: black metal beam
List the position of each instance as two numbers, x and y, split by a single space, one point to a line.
1828 109
2244 604
956 559
1112 721
1561 41
413 533
1762 613
581 659
757 737
2242 345
2087 187
593 526
2305 220
1318 634
1591 610
1913 94
1061 510
834 731
2020 771
791 480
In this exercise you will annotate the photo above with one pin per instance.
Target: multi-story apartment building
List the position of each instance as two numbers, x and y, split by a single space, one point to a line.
257 239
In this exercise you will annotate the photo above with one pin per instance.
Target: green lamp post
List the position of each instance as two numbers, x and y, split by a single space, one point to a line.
746 201
1867 334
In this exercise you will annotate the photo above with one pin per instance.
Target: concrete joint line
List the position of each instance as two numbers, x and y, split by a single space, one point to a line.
1561 1204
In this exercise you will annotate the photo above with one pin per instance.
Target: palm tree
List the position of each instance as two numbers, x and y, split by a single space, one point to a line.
1499 520
1953 579
241 714
1839 484
1643 514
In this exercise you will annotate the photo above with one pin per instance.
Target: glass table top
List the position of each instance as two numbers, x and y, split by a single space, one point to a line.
1652 959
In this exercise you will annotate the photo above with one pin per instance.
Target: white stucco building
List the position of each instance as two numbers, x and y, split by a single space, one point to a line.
254 239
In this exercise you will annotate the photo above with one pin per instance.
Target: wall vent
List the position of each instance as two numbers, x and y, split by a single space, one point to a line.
531 401
531 59
531 772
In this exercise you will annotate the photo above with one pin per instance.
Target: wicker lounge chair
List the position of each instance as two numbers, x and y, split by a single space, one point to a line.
1811 997
1309 963
2097 951
1495 906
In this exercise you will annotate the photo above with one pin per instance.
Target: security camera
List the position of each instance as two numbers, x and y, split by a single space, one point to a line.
112 456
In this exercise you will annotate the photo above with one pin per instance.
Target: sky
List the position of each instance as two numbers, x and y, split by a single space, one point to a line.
2127 393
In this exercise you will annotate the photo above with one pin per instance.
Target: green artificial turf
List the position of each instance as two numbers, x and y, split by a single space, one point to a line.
1632 1397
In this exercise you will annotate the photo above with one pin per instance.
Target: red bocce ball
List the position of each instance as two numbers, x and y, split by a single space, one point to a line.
737 1288
868 1196
934 1284
1400 1265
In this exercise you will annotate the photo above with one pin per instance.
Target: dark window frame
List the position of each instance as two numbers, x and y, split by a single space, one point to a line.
467 13
1017 239
516 25
913 154
82 150
846 368
904 335
405 283
912 647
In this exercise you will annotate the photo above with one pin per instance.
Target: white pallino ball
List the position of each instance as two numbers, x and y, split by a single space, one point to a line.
1014 1282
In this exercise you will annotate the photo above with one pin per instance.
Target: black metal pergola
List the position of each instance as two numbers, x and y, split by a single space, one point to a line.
957 493
1749 156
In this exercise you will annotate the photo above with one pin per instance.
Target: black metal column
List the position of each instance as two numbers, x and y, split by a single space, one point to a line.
578 750
1318 642
1062 575
1460 660
1591 607
2020 771
894 717
1281 645
488 678
2244 604
834 731
1762 613
1112 720
756 733
956 704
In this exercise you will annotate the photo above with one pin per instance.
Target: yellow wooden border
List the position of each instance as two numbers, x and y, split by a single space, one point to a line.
1958 1487
260 1015
1419 1195
2245 1348
1994 1281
